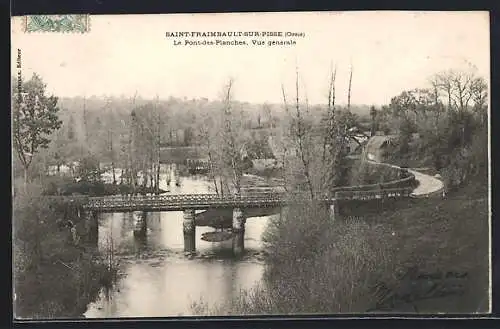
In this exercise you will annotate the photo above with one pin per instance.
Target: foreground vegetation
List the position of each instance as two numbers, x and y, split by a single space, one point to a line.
417 255
57 270
425 255
355 264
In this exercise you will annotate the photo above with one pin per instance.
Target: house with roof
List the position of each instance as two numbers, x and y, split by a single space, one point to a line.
377 145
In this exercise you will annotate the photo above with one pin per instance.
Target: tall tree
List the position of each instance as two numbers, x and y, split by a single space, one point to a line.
329 135
232 144
335 148
71 128
462 89
35 117
158 141
206 137
300 134
349 90
373 116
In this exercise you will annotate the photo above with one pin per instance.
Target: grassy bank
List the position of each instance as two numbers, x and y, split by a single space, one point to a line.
424 255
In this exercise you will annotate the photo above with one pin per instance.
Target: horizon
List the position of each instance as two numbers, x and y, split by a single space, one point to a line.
389 52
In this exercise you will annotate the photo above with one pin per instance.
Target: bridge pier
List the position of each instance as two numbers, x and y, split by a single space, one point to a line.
238 231
141 226
334 210
189 228
92 219
284 210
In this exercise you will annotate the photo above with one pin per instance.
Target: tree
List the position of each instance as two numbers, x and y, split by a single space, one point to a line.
207 137
300 134
318 157
373 115
268 115
451 119
232 144
461 89
60 148
145 143
35 117
349 90
71 128
88 169
336 137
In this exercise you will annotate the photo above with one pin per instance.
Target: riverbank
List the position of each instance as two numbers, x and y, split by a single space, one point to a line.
375 261
56 271
67 186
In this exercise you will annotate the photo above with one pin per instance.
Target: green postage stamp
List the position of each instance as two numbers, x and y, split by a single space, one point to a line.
57 23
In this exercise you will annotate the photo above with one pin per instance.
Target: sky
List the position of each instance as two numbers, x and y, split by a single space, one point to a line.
124 54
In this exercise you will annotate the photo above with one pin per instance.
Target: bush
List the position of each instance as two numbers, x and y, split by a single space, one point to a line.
319 266
52 276
315 266
467 161
328 267
366 173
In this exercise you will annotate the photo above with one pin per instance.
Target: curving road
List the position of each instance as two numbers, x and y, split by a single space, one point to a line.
427 184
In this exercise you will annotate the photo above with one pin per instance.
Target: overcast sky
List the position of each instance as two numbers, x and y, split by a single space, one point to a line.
389 51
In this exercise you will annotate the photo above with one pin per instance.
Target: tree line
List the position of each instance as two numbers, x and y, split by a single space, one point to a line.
359 264
443 126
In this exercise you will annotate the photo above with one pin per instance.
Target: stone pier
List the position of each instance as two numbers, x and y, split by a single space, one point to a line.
189 228
334 210
238 231
284 210
92 219
141 224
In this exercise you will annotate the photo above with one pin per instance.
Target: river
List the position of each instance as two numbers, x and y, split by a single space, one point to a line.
157 280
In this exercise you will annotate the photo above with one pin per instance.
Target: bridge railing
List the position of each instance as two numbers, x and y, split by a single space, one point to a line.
183 199
374 194
174 197
251 199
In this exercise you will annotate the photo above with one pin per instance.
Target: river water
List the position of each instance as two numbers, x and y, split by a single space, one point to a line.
157 280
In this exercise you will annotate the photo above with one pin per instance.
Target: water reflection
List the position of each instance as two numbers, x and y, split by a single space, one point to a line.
157 280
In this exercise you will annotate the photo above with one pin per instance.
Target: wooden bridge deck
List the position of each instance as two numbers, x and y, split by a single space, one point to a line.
204 201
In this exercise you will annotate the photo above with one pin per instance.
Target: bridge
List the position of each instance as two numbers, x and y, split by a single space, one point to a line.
188 203
181 202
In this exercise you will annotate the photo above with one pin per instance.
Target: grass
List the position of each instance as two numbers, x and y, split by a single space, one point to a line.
449 235
316 266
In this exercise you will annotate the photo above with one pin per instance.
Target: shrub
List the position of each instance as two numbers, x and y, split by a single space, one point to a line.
52 276
315 266
332 266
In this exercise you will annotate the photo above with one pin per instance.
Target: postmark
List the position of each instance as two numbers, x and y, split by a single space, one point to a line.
57 23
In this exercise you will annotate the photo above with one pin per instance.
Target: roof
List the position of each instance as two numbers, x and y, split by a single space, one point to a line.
376 142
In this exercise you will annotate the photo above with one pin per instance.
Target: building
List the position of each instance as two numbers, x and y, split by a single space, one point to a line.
376 147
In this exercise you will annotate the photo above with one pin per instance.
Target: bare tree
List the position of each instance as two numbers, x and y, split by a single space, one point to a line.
232 146
330 123
158 140
462 89
349 91
206 139
335 136
300 133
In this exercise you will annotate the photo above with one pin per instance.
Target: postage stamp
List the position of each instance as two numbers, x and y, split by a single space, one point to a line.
57 23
